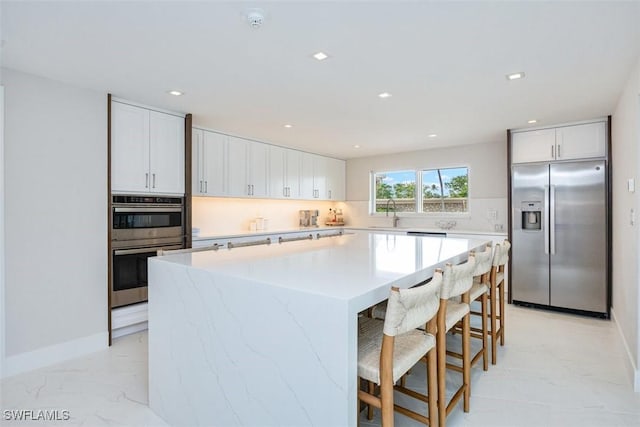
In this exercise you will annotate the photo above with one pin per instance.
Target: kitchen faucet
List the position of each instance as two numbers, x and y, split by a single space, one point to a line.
395 217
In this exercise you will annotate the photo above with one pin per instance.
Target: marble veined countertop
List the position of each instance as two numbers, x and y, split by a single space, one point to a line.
346 227
345 267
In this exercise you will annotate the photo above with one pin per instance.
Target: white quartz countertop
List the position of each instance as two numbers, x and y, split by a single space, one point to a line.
266 232
328 228
359 266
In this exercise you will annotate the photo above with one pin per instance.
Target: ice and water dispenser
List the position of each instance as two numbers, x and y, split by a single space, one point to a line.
531 215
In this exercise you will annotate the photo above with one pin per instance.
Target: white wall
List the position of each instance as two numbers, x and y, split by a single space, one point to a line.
626 260
2 268
487 165
56 221
219 215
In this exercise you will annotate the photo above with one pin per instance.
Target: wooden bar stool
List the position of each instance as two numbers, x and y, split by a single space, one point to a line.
388 349
496 297
479 292
456 281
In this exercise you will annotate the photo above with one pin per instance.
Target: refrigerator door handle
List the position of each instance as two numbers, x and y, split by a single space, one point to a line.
546 220
552 218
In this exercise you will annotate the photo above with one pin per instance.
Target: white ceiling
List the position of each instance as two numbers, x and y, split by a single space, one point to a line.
443 62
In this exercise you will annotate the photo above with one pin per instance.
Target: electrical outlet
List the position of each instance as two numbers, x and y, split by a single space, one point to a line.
498 227
632 216
492 214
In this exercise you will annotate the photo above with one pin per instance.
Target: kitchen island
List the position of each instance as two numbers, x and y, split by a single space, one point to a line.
267 335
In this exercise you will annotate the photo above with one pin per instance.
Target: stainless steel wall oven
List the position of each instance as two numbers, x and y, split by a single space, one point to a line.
140 226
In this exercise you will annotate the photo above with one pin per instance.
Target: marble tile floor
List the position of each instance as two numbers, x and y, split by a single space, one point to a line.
555 370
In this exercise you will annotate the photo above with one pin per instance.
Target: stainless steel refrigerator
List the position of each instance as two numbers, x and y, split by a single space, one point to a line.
559 236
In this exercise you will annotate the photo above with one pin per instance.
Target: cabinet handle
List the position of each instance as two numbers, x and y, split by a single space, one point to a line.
201 190
288 191
248 189
146 180
206 186
559 155
154 179
329 193
553 156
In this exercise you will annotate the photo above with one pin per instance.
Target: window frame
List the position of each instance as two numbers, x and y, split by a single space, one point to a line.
419 199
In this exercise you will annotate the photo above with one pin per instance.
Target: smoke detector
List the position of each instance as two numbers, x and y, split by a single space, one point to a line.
255 18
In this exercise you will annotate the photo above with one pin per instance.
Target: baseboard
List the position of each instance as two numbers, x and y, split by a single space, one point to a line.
53 354
632 369
131 329
129 320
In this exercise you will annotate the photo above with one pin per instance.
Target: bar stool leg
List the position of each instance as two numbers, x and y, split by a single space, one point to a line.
466 362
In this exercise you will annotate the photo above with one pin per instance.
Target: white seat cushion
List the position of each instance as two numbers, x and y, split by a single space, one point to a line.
499 277
455 312
408 350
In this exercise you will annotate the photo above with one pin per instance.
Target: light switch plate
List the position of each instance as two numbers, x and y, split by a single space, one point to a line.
631 185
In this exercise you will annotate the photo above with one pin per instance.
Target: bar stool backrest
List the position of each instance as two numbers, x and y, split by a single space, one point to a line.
501 255
458 279
483 261
411 308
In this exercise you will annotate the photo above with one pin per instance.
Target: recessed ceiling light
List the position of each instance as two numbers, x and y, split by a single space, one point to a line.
320 56
515 76
175 93
384 95
356 146
532 121
288 126
433 135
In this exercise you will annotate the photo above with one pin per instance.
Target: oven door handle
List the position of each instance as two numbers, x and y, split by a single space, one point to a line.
148 210
144 250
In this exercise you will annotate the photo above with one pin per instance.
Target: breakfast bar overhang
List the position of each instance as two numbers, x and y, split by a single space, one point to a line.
267 335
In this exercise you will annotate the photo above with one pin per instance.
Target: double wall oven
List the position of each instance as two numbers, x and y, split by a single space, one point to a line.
140 226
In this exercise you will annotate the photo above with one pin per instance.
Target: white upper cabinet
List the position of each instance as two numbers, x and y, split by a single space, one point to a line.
247 168
563 143
293 159
581 141
235 167
533 146
277 171
166 152
335 179
320 167
258 176
129 149
306 176
147 151
209 163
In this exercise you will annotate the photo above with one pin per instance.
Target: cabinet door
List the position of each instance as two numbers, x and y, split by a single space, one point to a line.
197 154
237 168
277 186
320 177
306 176
214 164
166 142
533 146
129 149
335 179
581 141
258 168
292 173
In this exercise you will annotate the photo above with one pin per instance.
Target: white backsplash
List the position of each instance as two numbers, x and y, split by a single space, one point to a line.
478 218
219 215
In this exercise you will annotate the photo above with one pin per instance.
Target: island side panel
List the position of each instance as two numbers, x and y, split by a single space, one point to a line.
230 352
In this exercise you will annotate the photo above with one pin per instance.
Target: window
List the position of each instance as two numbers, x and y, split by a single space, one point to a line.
443 191
397 188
